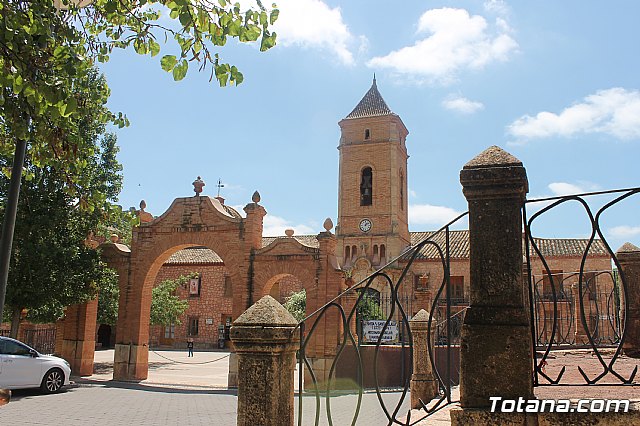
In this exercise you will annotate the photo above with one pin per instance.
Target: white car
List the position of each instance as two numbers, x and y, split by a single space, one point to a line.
23 367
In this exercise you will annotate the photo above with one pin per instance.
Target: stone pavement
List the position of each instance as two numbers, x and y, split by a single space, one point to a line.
174 394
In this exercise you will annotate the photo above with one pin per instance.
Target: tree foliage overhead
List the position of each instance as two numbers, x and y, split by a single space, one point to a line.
166 306
51 267
48 47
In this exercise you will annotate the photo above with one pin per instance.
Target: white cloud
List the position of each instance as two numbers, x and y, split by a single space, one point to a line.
313 24
563 188
461 104
625 232
613 112
427 214
274 226
497 6
456 41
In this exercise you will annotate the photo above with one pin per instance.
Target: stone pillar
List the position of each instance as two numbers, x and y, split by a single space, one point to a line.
424 385
629 258
79 344
265 345
495 353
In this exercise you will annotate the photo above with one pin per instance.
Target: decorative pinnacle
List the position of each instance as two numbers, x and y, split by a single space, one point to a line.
198 184
143 205
289 232
328 224
255 197
374 79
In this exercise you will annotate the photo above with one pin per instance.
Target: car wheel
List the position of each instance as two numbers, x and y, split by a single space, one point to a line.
52 381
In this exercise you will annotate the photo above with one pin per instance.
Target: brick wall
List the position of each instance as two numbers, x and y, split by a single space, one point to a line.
212 304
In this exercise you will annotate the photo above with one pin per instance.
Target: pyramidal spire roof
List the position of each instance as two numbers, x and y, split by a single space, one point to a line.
371 105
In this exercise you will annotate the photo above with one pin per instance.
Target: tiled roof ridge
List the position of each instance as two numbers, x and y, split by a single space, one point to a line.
305 240
371 105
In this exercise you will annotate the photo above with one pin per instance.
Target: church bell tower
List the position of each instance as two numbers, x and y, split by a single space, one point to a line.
372 195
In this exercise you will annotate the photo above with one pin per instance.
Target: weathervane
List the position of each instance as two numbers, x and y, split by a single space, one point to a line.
220 185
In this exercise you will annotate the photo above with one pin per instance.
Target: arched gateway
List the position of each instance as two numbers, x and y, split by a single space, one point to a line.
251 260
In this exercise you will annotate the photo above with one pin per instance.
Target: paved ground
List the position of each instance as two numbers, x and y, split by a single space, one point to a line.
175 393
192 391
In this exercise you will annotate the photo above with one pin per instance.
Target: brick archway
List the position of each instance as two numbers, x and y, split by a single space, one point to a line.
189 222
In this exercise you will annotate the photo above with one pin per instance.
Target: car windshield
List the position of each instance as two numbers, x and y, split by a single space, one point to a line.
9 347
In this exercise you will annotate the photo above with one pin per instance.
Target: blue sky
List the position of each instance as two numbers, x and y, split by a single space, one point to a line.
554 83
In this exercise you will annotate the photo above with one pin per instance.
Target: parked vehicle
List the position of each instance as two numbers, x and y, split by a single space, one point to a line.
22 367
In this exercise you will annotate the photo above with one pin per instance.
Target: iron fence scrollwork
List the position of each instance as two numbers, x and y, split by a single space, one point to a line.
443 330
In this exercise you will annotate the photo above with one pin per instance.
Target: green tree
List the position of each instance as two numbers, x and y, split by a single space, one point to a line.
108 295
166 306
296 304
368 308
48 49
51 267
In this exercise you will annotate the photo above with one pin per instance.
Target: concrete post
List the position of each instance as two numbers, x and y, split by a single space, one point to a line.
265 345
629 258
496 356
424 385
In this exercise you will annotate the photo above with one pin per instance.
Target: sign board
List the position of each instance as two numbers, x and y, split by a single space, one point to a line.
209 321
371 331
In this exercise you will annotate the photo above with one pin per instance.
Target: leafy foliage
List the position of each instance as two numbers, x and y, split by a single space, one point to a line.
296 304
51 268
166 307
368 308
108 297
47 52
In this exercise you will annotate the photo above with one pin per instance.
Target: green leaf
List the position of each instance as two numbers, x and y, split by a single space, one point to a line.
274 16
154 47
180 70
268 42
168 62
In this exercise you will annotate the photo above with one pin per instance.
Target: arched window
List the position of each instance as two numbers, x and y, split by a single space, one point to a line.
347 255
354 252
383 253
366 187
367 134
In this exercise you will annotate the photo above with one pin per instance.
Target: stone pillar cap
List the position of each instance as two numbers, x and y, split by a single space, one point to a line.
492 157
422 316
628 248
266 312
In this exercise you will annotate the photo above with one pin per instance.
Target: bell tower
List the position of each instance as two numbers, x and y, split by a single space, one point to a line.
372 193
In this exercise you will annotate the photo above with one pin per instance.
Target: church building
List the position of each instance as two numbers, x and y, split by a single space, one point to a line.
372 231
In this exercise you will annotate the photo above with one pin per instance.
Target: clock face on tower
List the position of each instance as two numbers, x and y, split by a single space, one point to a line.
365 225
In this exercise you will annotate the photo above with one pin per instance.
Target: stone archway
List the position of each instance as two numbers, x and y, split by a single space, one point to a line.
282 285
189 222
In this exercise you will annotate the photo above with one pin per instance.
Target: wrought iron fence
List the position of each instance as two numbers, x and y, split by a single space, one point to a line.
602 310
583 313
440 324
43 340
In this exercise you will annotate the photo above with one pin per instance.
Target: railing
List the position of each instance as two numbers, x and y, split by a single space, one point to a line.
392 275
602 309
599 317
44 340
